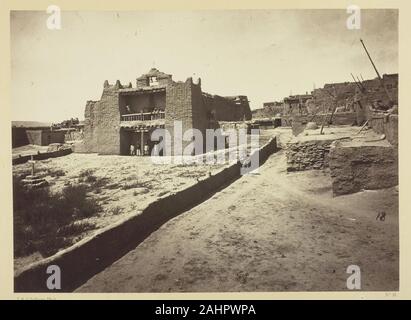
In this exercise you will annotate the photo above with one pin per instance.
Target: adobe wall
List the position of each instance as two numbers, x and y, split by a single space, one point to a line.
344 93
226 109
102 122
375 92
19 137
42 156
200 114
163 79
179 108
44 137
36 137
90 127
385 124
356 167
339 118
108 130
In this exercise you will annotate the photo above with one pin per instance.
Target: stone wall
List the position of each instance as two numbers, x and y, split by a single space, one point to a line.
357 167
306 155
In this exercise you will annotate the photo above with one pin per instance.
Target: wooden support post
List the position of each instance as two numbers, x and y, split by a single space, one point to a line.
142 144
32 162
332 115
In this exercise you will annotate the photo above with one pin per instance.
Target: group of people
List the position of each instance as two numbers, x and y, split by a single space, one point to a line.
136 150
156 114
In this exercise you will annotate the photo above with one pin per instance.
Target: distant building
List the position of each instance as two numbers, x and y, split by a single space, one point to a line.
42 136
296 104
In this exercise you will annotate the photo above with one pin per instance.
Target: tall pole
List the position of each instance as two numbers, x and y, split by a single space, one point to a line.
376 71
355 81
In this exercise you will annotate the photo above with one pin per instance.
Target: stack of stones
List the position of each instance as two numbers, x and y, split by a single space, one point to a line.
307 155
34 182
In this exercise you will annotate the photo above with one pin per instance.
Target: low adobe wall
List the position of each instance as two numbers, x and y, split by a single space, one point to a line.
42 156
90 256
385 124
340 118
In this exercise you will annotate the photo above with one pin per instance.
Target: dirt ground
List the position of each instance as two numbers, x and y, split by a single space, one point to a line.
269 231
28 150
121 185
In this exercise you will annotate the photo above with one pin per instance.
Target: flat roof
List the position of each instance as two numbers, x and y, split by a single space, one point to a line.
142 90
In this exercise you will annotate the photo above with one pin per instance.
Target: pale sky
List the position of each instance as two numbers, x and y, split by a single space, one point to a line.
265 55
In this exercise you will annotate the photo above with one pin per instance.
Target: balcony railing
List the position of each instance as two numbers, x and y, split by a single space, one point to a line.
143 116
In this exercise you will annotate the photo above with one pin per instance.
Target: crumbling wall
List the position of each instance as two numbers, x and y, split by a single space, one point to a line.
108 129
163 79
374 91
306 155
179 108
333 94
357 167
90 127
200 114
102 122
339 118
227 108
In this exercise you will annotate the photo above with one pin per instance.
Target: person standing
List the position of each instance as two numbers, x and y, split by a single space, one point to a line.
132 150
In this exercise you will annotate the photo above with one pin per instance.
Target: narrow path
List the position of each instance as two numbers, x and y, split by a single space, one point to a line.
270 231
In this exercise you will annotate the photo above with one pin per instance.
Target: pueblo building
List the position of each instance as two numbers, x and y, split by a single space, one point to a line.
127 115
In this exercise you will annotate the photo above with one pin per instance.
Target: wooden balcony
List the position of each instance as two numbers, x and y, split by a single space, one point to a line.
143 116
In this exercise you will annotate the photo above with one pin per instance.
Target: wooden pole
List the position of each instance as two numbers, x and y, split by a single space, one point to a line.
362 128
376 71
142 143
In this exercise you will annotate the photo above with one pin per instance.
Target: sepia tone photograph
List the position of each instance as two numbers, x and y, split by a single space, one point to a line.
205 151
